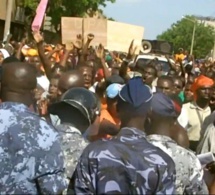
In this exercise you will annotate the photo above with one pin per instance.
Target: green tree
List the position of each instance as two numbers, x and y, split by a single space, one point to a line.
111 19
69 8
180 34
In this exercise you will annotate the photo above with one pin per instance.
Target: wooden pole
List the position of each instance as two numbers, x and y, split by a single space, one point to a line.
8 19
83 40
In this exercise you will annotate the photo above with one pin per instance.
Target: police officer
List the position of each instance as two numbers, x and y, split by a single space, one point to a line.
127 163
31 160
78 111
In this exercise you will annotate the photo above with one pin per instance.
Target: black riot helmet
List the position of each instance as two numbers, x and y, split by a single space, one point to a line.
83 100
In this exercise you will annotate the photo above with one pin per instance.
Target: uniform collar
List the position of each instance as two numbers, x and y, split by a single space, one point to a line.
68 128
16 106
131 132
160 138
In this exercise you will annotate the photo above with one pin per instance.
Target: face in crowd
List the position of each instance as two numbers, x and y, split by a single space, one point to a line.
188 94
178 85
53 89
88 76
149 74
204 92
165 85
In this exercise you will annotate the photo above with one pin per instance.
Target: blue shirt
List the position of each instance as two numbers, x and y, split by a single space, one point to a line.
29 151
125 164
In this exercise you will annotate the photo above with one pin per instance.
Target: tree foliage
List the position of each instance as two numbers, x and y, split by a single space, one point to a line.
180 34
69 8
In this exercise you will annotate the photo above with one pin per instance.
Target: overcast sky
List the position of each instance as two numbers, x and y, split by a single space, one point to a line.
157 15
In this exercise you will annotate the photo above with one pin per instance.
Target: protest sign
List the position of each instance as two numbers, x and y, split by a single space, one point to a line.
113 35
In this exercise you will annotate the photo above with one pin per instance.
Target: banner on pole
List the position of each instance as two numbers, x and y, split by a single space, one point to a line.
40 13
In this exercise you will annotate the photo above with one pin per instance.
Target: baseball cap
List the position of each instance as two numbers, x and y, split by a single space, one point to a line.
136 96
113 90
165 106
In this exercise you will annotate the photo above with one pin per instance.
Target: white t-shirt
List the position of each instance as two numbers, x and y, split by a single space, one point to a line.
93 88
43 82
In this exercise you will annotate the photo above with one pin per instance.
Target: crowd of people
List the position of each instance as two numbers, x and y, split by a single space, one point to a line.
81 120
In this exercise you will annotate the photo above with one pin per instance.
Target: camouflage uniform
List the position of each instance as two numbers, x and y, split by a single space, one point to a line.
73 145
125 164
31 160
189 174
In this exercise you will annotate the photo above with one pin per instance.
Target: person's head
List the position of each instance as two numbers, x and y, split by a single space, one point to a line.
186 52
70 80
178 84
188 94
149 74
115 71
202 88
158 66
180 50
138 66
179 134
115 79
34 60
78 107
134 103
87 73
18 83
10 60
3 54
38 93
6 61
172 73
112 93
53 88
165 111
165 85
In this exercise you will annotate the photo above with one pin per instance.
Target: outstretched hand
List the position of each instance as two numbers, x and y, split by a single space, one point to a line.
100 51
90 37
37 36
78 42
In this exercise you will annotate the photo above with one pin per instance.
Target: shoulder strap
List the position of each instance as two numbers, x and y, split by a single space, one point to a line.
200 118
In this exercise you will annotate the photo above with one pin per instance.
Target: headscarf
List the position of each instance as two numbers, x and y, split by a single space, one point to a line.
199 82
5 53
32 52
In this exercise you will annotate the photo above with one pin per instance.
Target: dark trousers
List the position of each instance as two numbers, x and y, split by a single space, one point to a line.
193 145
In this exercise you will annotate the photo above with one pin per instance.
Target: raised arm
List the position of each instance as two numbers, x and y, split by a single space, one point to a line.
45 61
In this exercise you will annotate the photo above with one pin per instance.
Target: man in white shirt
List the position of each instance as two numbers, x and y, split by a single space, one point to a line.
194 113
